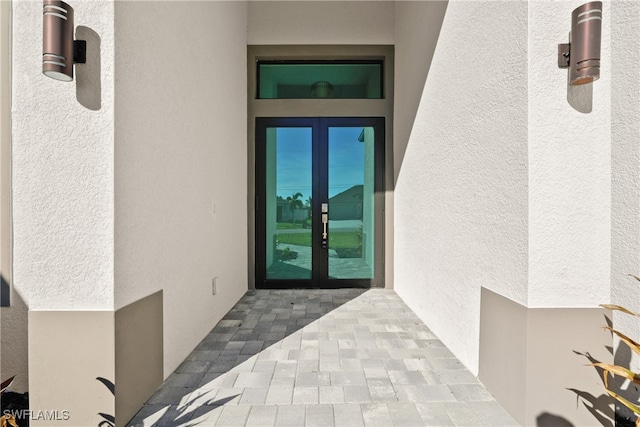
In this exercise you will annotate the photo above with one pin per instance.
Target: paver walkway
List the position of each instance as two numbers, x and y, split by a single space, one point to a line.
344 357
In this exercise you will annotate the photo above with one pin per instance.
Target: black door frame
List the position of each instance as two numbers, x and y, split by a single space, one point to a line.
320 126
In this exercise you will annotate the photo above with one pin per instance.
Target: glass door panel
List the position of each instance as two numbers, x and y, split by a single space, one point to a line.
288 185
319 202
351 202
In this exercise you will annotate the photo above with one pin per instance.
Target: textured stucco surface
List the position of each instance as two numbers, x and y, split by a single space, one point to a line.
62 183
625 153
181 174
625 178
461 194
13 318
178 138
503 184
569 170
320 22
416 23
62 172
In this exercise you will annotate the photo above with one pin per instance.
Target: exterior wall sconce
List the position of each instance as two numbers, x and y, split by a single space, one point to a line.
321 89
582 55
59 50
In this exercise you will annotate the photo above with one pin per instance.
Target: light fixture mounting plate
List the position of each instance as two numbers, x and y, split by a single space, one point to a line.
80 51
563 55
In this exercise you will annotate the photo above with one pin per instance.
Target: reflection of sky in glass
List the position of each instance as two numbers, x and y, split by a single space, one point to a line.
293 160
346 160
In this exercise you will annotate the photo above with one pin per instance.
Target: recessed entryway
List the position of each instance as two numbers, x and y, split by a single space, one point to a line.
320 148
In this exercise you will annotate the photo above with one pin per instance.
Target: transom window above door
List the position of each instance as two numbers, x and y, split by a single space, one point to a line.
320 79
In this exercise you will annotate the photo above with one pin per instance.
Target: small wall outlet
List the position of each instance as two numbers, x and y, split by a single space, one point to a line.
214 285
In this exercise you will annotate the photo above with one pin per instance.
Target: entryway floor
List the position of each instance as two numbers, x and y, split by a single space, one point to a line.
345 357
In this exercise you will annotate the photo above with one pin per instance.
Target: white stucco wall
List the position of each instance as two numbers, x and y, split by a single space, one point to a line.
62 182
62 171
13 318
416 23
569 169
320 22
625 179
461 194
503 184
181 162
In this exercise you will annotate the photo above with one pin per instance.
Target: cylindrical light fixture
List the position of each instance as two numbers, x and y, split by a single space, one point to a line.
586 32
57 40
321 89
582 55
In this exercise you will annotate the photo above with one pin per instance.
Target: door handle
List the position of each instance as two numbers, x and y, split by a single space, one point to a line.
325 222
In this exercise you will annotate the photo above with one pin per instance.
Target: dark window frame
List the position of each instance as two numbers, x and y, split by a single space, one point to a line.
379 62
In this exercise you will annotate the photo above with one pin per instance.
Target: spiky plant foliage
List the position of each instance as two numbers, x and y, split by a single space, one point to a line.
620 371
8 420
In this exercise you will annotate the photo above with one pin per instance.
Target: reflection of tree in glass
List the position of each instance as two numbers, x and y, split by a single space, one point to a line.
309 205
295 203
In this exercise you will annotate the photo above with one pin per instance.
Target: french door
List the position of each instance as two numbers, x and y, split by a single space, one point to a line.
319 187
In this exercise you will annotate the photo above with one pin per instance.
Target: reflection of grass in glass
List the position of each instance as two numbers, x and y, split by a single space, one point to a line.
287 226
300 239
345 239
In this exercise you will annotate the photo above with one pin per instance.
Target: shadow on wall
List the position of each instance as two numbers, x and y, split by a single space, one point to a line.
88 78
14 338
5 291
601 406
108 420
624 416
549 420
423 22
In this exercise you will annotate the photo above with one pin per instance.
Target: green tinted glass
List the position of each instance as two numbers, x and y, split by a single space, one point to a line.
351 202
288 219
327 79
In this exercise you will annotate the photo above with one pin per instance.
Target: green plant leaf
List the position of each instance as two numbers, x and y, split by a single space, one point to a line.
628 341
618 371
618 308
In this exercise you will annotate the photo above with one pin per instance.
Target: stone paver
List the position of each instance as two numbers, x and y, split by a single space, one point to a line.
347 357
262 416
